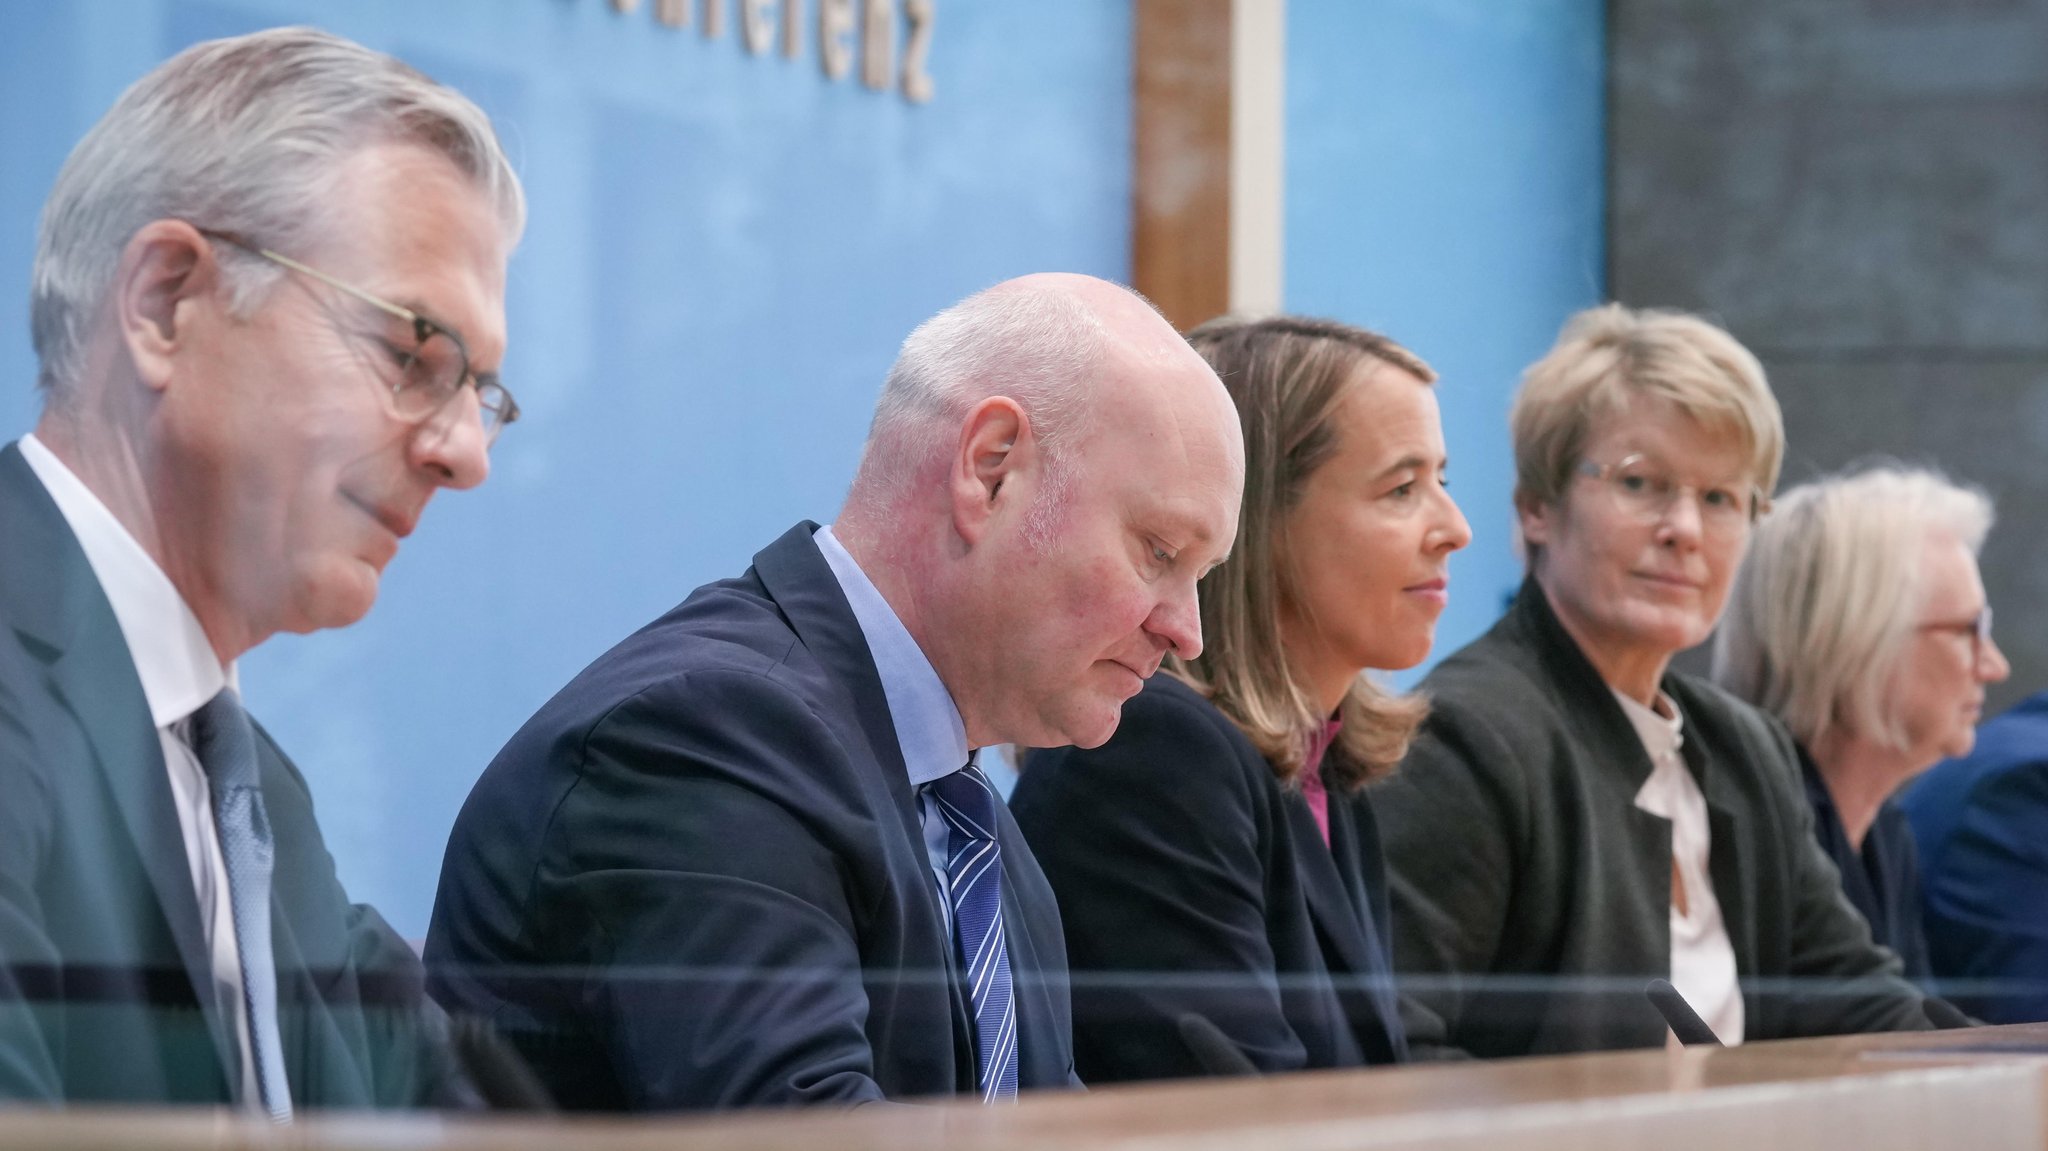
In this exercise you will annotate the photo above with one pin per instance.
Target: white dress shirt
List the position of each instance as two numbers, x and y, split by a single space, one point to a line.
1702 957
179 674
928 726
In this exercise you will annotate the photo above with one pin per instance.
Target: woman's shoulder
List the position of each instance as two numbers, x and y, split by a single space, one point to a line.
1168 729
1495 681
1504 725
1709 707
1175 767
1745 744
1172 719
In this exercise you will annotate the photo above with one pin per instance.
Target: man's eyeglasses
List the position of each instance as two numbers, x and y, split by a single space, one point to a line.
1646 491
431 373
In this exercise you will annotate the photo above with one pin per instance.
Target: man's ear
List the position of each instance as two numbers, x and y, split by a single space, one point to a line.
166 270
996 450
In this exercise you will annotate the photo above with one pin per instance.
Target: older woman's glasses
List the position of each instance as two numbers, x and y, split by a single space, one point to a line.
1977 627
1646 491
431 373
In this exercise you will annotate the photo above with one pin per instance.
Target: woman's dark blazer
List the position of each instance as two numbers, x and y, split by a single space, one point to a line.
1532 898
1881 877
1191 883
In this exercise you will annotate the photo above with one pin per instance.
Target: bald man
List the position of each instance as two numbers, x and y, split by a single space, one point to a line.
746 857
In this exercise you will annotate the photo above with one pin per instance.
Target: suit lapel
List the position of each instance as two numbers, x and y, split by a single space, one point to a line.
115 719
1727 863
1581 693
803 586
1038 983
325 1062
797 577
1350 943
1329 903
307 989
63 618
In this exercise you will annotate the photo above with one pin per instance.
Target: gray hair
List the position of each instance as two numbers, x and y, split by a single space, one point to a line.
1828 596
1040 346
241 135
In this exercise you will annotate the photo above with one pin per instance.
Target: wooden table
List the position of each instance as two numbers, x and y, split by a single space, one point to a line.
1871 1093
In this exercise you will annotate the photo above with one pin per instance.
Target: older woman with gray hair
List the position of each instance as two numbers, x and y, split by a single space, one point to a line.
1576 819
1860 621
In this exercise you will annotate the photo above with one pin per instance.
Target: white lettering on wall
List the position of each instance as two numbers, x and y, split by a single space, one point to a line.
757 24
917 82
846 30
835 31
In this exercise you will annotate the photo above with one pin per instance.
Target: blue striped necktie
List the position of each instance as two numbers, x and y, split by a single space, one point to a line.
974 873
226 745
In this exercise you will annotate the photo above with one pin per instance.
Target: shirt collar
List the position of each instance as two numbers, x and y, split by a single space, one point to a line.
1319 742
1663 734
177 666
928 725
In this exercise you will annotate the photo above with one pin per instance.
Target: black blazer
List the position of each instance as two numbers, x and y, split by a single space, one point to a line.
106 988
1882 878
1191 882
1532 898
697 877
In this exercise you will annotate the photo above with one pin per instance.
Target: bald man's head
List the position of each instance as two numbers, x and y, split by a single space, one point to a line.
1050 470
1045 341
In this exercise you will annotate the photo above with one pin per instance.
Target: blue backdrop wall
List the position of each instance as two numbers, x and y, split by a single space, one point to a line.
1445 185
724 251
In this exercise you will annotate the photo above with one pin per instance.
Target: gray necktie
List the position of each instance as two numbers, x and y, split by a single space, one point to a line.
226 746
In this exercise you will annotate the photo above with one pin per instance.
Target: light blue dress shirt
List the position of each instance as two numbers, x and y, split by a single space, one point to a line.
928 726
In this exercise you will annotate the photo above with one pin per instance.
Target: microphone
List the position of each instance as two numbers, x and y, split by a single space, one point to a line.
1944 1015
1212 1048
1692 1031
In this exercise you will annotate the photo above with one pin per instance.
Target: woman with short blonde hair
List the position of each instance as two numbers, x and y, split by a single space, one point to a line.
1611 357
1859 619
1576 819
1214 861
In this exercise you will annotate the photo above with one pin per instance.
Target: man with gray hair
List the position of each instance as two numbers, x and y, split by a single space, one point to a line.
268 302
747 857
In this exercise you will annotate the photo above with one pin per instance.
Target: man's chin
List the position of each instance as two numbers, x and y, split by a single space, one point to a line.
338 601
1094 730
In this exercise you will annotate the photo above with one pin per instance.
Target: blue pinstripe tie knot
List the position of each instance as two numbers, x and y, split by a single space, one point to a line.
225 743
974 872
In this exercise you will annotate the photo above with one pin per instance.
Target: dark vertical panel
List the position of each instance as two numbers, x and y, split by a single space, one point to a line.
1859 190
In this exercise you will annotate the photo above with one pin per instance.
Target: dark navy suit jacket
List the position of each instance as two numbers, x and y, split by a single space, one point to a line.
1882 879
106 986
1982 826
697 878
1191 882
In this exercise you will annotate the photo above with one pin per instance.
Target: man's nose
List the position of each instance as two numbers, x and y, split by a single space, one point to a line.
452 444
1178 620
